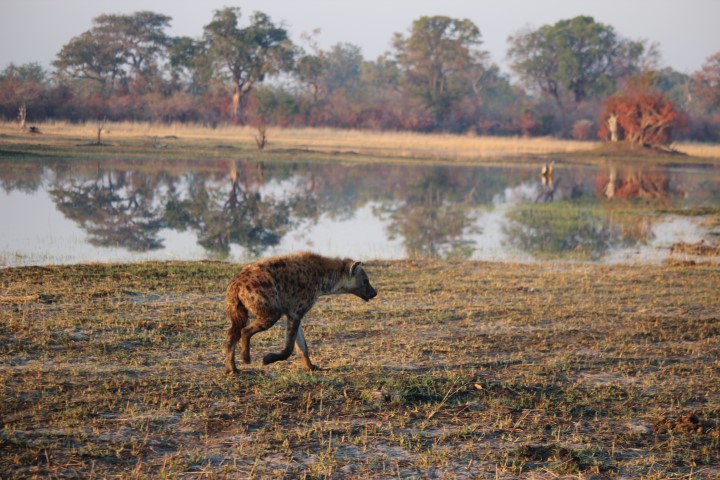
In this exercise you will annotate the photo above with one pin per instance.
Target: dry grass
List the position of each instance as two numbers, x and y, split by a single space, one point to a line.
701 150
364 143
456 370
182 140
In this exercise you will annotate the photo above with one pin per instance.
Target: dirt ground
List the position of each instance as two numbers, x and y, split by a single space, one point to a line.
455 370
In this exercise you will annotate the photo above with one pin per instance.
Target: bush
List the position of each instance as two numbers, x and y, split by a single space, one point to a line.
582 129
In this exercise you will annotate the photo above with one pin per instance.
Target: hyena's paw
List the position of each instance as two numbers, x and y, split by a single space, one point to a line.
230 366
273 357
269 358
310 367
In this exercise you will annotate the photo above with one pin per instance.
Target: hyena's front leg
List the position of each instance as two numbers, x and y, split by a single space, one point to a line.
293 325
302 350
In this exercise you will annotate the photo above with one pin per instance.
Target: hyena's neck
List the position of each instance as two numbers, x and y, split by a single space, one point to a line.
330 278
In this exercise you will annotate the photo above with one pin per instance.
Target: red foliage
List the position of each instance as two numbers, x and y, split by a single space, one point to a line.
644 117
632 185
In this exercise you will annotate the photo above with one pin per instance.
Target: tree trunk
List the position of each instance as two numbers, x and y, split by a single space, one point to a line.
612 124
22 116
241 89
261 141
236 105
99 131
610 187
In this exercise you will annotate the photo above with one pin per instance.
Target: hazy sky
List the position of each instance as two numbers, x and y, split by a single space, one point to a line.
686 31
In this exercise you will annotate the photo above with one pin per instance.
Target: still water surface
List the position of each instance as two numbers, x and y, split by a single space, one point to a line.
84 211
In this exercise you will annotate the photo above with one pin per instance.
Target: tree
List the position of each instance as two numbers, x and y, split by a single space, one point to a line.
705 84
342 68
21 86
189 65
88 56
309 66
440 57
116 48
247 54
641 116
579 58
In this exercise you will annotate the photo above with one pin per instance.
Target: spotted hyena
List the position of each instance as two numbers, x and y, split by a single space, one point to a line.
287 285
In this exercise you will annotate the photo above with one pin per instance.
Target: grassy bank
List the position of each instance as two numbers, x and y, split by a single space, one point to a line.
456 370
180 141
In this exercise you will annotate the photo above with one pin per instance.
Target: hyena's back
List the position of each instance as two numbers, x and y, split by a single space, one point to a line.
276 286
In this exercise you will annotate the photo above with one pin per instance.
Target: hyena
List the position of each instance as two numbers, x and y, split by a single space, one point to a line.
287 285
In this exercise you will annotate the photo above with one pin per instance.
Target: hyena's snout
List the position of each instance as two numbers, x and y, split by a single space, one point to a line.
359 283
368 292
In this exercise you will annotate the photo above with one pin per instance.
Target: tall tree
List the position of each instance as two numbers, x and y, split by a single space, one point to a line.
706 83
309 66
439 58
579 57
343 67
117 47
189 65
246 54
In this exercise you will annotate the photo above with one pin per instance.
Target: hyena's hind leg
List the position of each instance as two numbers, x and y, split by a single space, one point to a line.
293 325
237 314
264 318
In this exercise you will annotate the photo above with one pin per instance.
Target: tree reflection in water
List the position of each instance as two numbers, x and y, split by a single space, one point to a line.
434 211
230 211
116 208
435 219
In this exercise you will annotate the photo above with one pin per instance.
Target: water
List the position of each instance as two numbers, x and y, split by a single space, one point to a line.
56 212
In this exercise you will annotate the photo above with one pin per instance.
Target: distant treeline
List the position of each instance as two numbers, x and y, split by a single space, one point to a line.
576 78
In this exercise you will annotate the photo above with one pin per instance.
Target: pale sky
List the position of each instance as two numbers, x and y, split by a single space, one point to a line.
687 31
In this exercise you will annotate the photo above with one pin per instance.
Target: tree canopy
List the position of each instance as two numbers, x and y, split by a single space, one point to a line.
441 56
118 47
706 83
246 54
577 58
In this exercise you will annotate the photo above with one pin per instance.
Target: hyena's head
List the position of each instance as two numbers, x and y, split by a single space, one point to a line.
356 281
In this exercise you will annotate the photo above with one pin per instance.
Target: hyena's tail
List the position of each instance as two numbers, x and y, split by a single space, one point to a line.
234 308
237 314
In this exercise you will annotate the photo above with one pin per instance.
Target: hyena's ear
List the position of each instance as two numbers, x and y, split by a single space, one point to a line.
355 268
